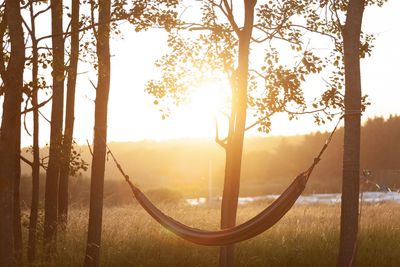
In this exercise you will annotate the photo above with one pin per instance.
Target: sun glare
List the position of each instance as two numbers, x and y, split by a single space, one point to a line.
206 104
209 99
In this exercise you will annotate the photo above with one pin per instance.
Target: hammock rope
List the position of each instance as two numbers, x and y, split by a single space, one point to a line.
251 228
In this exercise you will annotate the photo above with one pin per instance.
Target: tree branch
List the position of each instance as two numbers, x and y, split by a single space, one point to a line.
229 15
3 26
30 163
44 117
26 160
37 106
42 11
221 142
257 122
90 149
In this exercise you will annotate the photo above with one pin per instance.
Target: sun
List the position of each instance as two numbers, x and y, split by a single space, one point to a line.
196 117
206 104
209 99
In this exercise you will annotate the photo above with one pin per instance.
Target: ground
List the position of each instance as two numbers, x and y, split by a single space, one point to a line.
306 236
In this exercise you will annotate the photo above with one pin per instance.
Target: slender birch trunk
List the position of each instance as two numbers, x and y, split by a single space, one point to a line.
234 148
93 245
69 116
33 218
53 169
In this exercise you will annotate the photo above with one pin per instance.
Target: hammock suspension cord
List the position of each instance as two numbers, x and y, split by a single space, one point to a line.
251 228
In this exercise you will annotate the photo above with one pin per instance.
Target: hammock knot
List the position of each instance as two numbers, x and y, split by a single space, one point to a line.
355 112
316 160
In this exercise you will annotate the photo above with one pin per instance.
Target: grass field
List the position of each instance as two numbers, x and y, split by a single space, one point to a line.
306 236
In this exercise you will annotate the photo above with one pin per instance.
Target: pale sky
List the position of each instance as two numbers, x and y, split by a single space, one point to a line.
133 117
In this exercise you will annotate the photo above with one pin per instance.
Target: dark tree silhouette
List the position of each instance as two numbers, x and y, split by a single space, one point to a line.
92 256
351 153
57 109
10 228
69 116
33 218
234 145
142 15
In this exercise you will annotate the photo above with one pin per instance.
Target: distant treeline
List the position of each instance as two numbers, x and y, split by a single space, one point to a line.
380 153
170 169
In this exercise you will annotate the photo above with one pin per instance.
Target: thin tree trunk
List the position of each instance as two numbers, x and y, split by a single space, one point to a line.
234 148
33 218
351 153
10 136
17 211
92 257
53 169
69 117
17 166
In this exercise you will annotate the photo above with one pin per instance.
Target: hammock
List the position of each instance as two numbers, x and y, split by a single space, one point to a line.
251 228
258 224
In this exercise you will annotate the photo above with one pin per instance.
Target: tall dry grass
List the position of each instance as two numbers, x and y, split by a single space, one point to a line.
306 236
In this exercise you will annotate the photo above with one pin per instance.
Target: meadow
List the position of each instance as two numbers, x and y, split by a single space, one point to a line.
306 236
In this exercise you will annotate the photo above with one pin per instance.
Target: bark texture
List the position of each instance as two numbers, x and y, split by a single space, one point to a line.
57 108
234 148
69 117
351 153
10 138
92 257
33 217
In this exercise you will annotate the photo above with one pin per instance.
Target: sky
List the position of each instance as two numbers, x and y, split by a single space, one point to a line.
134 117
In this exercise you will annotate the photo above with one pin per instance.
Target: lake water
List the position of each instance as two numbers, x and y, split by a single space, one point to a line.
369 197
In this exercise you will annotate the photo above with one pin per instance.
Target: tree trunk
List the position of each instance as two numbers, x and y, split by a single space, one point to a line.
53 169
234 147
17 208
100 137
10 136
69 117
351 153
33 218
